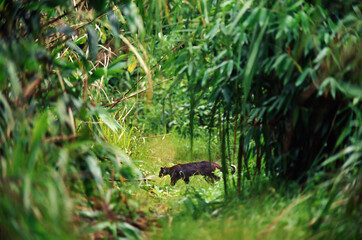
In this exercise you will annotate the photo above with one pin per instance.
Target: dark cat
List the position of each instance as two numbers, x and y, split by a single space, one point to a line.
185 171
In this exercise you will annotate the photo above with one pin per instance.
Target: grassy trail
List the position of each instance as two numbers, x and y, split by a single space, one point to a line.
198 210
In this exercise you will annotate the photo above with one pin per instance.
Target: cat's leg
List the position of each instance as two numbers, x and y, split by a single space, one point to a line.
214 177
207 179
173 181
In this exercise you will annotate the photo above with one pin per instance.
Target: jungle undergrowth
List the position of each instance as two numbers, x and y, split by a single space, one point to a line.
199 207
265 209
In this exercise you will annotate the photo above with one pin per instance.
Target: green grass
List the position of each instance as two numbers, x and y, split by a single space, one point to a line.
197 210
250 219
265 209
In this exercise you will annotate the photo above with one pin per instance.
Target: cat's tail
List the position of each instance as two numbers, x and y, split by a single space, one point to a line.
233 168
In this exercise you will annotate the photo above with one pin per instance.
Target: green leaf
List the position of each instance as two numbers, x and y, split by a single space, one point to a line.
353 160
305 22
6 114
190 69
38 134
352 90
262 16
95 170
230 67
120 58
90 214
15 83
212 33
99 73
345 133
302 76
346 151
129 231
116 68
296 5
231 26
219 56
27 192
250 65
279 60
333 84
65 29
227 94
75 48
322 54
108 120
114 24
134 21
92 42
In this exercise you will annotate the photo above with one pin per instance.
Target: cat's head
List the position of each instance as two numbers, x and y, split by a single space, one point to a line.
163 172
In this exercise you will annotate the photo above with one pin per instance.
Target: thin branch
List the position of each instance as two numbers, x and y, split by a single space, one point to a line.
61 138
133 95
124 98
53 20
81 26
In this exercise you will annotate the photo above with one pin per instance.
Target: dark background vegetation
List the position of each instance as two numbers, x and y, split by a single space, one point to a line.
274 86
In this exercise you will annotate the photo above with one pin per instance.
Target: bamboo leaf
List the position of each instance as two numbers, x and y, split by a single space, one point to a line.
15 83
95 170
227 94
302 76
250 65
322 54
128 230
240 14
65 29
8 118
230 67
92 42
108 120
262 16
75 48
342 153
114 25
212 33
38 134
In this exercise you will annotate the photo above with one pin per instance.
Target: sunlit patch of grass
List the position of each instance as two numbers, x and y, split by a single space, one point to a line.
157 197
172 148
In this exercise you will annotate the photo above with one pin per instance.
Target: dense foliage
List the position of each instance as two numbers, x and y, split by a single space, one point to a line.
285 75
54 153
277 84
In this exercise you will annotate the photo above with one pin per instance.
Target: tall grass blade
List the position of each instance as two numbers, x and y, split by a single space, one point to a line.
251 64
